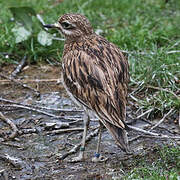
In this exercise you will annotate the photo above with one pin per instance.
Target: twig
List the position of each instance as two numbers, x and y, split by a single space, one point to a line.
59 39
38 107
19 67
3 173
165 90
45 113
164 117
12 145
39 111
17 163
41 20
21 84
4 107
12 125
135 138
76 121
76 147
135 99
59 131
161 137
155 135
28 131
148 111
18 107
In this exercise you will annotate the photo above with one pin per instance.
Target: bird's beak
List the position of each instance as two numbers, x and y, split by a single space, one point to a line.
56 25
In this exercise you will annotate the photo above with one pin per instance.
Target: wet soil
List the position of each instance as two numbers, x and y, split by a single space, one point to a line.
37 150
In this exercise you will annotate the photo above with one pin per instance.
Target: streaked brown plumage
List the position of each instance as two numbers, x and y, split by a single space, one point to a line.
95 74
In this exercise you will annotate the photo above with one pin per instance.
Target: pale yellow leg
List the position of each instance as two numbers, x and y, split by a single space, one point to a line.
98 157
80 157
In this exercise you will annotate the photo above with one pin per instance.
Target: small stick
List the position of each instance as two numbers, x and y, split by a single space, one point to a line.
12 125
39 111
17 163
161 137
40 107
12 145
21 84
135 138
165 90
155 135
76 147
59 39
74 119
135 99
28 131
59 131
148 111
4 107
3 173
19 67
164 117
41 20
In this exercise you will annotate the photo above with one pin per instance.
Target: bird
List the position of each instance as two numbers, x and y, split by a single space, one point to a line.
95 74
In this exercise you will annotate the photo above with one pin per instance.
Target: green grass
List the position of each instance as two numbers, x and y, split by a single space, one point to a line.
161 164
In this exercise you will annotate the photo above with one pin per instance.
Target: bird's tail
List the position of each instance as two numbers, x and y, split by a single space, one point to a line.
119 135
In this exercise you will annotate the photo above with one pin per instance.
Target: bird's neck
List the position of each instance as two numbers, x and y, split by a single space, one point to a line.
77 39
77 43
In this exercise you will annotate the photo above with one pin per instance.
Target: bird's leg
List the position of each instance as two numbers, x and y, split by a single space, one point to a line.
98 157
82 148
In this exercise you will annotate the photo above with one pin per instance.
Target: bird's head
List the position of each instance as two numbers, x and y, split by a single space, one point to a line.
72 26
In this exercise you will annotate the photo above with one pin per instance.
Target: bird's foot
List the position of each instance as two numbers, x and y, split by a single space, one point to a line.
78 158
99 158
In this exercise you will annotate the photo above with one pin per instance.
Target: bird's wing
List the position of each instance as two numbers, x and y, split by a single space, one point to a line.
98 84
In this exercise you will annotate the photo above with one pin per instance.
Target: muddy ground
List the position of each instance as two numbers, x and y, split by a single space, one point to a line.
38 148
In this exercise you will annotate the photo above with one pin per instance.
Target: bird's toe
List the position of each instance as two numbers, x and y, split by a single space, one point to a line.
99 159
79 158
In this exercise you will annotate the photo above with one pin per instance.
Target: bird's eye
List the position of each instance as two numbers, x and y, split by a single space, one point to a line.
66 25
